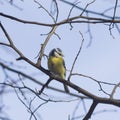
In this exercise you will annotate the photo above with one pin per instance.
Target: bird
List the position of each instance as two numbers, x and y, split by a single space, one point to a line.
56 64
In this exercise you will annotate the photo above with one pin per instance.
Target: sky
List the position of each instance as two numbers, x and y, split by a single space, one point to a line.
99 60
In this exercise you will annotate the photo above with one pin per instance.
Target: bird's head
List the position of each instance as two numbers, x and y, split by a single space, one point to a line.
56 52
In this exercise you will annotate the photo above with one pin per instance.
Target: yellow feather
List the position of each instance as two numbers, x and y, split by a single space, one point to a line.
56 66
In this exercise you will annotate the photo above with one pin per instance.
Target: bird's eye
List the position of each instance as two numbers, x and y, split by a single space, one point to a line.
60 54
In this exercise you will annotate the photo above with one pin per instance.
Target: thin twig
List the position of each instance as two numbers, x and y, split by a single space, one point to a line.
41 6
75 110
111 26
114 89
76 56
84 10
86 76
88 11
56 10
89 32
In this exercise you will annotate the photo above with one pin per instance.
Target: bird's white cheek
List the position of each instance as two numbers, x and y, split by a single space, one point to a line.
57 55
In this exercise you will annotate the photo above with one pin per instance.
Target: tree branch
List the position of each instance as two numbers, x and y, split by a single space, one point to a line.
88 11
10 40
45 85
91 110
44 45
92 20
114 89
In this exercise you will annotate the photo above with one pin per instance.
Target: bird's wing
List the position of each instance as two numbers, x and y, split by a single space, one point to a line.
64 67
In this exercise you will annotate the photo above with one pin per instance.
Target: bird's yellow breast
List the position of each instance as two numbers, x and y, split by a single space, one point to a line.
56 66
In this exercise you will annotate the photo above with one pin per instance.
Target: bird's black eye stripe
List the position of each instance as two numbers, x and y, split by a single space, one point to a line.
59 51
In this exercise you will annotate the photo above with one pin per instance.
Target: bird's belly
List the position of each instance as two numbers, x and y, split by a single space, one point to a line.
56 66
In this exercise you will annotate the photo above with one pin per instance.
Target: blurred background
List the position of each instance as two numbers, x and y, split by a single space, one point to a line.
99 58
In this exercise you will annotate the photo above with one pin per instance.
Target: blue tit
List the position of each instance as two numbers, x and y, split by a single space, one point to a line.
56 64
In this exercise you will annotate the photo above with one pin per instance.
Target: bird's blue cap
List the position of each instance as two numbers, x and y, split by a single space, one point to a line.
58 50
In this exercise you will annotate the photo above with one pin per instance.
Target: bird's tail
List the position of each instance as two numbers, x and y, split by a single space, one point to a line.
66 88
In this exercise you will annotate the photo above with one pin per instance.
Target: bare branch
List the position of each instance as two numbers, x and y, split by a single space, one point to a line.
90 34
91 110
38 81
10 41
41 6
56 10
72 9
88 11
24 21
21 55
76 57
93 79
114 14
99 82
114 89
111 26
76 108
44 45
84 10
92 20
45 85
85 16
